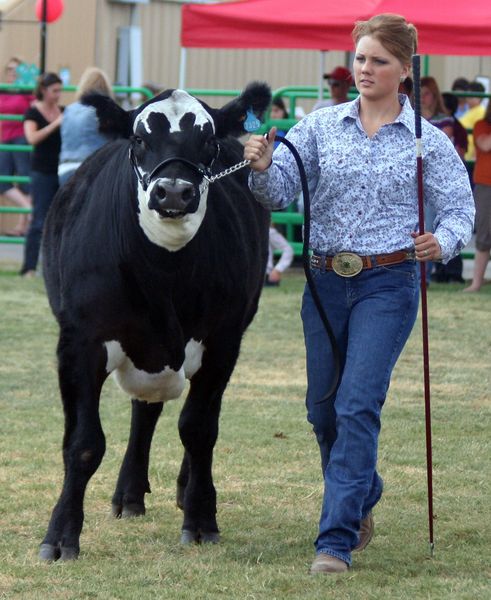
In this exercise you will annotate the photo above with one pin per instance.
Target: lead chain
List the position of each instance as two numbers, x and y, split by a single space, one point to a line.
229 171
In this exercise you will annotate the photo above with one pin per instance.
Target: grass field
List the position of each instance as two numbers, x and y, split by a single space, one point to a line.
266 470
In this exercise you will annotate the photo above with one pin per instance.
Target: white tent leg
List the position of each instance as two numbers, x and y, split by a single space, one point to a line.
182 69
322 70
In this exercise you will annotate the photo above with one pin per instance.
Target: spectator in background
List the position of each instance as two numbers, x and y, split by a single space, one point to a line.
452 271
155 88
339 81
433 110
274 272
432 107
450 104
474 114
482 198
461 84
277 242
278 111
42 130
81 134
12 132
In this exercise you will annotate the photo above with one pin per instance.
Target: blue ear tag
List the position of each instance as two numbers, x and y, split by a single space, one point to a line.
252 123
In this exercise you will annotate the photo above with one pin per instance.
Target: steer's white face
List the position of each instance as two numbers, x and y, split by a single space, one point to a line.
173 127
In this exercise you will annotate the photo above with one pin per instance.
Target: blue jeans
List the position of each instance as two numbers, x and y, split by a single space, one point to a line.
43 188
372 315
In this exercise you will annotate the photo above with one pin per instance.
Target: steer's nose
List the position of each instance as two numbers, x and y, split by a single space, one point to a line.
171 194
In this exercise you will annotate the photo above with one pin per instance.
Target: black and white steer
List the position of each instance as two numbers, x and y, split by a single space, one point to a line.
153 274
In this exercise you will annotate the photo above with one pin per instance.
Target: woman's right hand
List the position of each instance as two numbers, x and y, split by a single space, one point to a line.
259 150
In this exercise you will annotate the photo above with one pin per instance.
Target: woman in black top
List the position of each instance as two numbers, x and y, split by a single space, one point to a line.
42 130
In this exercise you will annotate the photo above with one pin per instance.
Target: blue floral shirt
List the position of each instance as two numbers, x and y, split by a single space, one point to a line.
364 196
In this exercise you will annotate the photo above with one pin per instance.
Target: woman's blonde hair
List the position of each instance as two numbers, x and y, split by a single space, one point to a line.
395 34
94 80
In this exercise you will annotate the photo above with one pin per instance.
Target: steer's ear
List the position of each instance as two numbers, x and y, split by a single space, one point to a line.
230 119
112 118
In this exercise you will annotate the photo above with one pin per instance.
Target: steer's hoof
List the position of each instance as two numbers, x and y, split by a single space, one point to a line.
210 537
199 537
133 510
50 553
189 537
69 553
126 511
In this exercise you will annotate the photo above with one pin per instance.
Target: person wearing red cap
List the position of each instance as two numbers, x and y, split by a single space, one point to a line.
339 81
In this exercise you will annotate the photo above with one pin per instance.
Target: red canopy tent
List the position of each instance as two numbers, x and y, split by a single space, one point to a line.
452 28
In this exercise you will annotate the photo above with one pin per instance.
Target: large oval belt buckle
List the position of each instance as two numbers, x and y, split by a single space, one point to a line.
347 264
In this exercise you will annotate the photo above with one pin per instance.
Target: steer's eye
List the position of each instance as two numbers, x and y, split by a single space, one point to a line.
211 150
138 140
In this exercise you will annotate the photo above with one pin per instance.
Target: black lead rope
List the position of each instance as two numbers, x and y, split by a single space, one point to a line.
308 273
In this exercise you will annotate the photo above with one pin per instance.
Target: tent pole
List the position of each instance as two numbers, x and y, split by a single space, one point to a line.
182 68
322 70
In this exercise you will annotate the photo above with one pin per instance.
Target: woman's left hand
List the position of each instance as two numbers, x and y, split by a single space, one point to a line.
426 247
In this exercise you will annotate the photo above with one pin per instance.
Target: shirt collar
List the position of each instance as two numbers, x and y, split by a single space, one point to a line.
350 110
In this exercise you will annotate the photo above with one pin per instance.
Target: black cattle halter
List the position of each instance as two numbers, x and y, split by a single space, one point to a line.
145 180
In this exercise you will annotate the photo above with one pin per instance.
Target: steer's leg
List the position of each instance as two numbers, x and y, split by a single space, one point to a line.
198 428
128 499
81 374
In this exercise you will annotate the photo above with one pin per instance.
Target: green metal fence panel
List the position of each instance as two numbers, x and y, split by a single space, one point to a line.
14 210
14 179
15 147
4 117
8 239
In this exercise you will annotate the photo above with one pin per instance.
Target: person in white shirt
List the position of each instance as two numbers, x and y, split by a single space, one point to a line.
277 242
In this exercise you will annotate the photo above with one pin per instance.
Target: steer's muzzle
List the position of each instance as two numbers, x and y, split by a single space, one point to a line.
172 198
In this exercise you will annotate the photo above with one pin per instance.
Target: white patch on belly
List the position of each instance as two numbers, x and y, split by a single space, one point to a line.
171 234
194 354
174 108
152 387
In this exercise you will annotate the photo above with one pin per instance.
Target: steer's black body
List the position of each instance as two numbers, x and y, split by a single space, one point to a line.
147 284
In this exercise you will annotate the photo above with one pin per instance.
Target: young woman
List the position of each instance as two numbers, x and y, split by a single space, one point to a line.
360 163
42 129
482 197
433 107
12 132
80 130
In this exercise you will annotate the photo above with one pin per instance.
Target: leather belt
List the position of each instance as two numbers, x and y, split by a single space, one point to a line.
349 264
